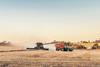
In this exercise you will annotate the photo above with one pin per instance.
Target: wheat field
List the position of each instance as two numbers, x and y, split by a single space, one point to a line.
40 58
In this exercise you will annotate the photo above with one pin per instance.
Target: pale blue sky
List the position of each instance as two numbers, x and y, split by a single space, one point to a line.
47 20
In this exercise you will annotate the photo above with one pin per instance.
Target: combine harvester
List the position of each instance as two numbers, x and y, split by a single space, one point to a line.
60 46
39 46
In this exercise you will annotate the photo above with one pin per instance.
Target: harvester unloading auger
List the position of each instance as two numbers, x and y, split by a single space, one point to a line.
60 46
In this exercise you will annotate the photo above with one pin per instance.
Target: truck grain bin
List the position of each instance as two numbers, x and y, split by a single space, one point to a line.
63 46
59 46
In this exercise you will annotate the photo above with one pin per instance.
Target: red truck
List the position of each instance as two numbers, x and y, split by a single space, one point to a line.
62 46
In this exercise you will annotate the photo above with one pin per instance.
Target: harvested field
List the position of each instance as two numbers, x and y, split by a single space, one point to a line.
77 58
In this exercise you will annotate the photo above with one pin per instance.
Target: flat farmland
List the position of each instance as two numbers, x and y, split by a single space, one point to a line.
39 58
